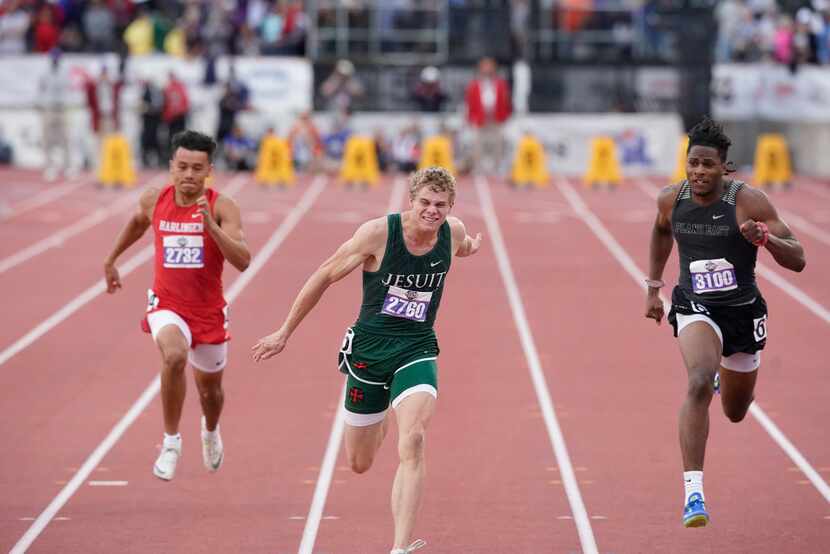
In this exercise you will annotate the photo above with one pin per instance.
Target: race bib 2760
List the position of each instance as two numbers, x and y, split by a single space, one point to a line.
408 304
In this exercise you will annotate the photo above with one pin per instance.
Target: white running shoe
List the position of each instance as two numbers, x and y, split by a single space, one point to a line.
165 466
416 545
212 450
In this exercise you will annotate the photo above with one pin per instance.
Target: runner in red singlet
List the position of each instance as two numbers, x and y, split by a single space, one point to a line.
196 230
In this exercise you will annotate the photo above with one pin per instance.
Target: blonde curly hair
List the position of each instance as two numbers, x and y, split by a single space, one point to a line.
437 179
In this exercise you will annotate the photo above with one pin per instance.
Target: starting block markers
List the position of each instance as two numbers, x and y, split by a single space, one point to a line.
604 167
529 165
274 164
360 162
437 152
772 161
116 162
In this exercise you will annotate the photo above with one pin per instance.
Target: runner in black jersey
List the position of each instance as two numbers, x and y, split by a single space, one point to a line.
717 312
390 352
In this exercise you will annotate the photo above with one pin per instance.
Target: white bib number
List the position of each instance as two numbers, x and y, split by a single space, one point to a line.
184 251
408 304
759 328
712 276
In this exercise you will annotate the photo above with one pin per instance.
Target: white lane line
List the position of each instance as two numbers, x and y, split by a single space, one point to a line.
625 260
583 523
323 483
108 483
805 226
73 306
398 193
821 190
59 237
88 295
321 489
153 388
773 277
41 198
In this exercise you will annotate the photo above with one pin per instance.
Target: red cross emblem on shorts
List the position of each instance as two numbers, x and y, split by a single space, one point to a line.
356 395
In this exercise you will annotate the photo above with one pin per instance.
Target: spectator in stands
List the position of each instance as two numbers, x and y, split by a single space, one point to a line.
6 154
488 108
55 89
46 29
14 24
176 108
783 41
292 42
519 25
823 32
341 88
306 144
239 151
99 27
334 142
428 94
731 16
139 35
272 28
406 148
151 108
234 99
103 98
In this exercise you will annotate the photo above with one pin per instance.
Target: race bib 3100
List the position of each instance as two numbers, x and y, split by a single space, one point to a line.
712 276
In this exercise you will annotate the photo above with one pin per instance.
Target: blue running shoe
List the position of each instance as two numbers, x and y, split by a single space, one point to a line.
716 382
695 514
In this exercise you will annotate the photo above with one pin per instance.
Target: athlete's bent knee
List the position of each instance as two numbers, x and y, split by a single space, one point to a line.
174 359
700 386
411 444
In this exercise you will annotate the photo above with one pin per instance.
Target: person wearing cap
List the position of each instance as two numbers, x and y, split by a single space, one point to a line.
341 88
428 94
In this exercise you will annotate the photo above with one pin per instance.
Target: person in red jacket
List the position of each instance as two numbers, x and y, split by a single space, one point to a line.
488 108
176 107
196 229
103 99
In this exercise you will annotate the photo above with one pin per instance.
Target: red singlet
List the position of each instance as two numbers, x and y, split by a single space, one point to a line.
188 269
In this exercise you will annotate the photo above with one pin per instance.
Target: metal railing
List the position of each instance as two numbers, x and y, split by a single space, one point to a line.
378 31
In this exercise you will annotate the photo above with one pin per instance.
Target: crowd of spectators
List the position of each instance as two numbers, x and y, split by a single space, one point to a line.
790 33
176 27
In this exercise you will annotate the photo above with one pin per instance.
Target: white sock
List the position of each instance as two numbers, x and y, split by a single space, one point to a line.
397 551
693 483
209 434
173 440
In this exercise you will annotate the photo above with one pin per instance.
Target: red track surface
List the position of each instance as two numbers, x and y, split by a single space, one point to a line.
616 381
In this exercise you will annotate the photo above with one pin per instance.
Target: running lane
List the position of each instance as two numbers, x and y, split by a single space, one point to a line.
70 388
643 376
43 282
490 467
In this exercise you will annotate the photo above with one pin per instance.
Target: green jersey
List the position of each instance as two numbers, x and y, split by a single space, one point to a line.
403 295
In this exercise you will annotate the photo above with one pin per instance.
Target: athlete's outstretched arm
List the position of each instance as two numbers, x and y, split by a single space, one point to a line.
367 240
464 244
132 231
227 233
659 251
754 205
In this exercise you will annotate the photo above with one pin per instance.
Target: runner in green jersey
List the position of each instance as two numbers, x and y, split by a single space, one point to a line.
390 353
